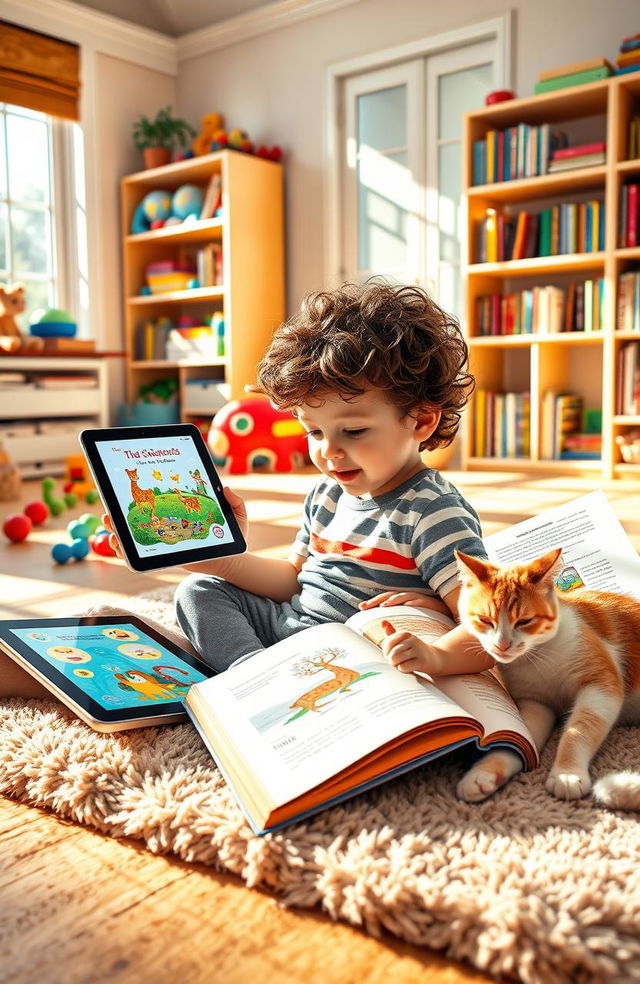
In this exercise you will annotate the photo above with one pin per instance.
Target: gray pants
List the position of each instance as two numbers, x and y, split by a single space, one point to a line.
225 623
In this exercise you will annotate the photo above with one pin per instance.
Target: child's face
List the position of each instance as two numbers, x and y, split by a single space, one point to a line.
364 443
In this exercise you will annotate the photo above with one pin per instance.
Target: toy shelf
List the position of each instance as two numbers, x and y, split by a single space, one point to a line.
544 364
251 298
38 425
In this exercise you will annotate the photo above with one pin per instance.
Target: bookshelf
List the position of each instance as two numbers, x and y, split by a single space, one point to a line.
549 358
249 232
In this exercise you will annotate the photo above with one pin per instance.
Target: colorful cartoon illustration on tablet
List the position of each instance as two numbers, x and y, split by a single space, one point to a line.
147 685
139 652
122 634
171 515
201 485
68 654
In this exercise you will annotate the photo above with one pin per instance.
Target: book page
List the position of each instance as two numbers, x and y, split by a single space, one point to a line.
596 551
484 696
424 623
308 707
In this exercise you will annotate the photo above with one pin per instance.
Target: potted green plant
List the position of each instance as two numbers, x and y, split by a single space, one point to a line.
156 138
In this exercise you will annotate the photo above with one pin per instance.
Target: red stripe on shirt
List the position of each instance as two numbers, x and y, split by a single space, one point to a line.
371 555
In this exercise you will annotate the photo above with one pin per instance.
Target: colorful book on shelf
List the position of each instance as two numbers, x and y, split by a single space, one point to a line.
575 78
584 160
627 69
631 57
212 197
572 69
595 147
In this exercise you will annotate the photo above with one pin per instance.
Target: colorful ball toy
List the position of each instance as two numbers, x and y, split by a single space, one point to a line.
17 527
36 511
100 544
187 201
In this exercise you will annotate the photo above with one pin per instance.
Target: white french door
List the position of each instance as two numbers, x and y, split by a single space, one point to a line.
401 167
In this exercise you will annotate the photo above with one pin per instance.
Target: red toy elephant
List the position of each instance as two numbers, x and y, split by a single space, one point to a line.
246 429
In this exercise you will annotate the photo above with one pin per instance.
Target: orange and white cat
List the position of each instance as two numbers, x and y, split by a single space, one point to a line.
559 654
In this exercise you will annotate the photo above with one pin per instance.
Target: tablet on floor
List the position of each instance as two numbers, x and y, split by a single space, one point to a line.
114 673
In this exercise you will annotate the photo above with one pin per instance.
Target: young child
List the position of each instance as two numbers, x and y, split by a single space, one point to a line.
375 374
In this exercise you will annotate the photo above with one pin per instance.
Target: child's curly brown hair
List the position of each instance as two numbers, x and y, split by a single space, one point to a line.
392 338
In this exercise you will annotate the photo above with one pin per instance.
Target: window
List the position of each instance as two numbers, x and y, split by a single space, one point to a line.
42 227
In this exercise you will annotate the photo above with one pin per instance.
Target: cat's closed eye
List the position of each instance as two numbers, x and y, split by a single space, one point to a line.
485 621
522 622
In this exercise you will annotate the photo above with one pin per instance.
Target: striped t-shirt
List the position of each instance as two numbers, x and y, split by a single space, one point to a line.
355 548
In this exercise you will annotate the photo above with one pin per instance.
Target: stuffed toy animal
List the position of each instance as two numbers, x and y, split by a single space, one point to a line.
13 302
208 126
247 429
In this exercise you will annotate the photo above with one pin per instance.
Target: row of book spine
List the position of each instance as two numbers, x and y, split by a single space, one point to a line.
568 227
629 215
628 379
520 151
561 416
159 338
501 424
546 309
628 306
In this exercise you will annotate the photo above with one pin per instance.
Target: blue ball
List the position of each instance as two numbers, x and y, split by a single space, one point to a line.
78 530
61 553
80 549
186 201
157 205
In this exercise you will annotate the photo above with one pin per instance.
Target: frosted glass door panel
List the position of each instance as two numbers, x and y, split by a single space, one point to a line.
457 82
381 202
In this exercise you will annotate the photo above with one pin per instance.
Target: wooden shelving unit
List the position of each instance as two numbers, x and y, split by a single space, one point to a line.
251 297
584 363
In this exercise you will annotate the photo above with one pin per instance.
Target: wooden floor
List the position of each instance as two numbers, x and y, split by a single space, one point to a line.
77 907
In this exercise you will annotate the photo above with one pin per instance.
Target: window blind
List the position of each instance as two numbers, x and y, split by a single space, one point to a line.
39 72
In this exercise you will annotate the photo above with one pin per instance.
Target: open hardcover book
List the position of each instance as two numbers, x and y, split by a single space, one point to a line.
322 716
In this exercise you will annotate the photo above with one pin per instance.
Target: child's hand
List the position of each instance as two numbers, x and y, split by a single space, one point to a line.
114 542
412 598
238 507
408 653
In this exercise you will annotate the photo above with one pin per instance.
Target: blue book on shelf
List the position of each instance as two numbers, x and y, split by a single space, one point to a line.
479 162
588 228
601 227
627 68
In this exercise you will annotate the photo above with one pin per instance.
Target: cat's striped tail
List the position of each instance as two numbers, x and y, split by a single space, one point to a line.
618 790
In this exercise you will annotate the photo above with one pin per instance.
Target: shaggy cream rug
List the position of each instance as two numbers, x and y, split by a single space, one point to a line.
522 886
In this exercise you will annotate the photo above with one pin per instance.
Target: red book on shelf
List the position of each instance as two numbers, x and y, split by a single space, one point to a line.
632 215
589 148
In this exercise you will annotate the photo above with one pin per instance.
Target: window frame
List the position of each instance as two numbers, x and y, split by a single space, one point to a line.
64 275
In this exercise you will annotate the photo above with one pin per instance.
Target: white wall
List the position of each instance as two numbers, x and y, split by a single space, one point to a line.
272 85
122 92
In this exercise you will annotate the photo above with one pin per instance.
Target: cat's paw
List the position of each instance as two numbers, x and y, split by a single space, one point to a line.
568 785
479 783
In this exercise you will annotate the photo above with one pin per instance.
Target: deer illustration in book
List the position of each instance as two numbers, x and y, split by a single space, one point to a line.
341 677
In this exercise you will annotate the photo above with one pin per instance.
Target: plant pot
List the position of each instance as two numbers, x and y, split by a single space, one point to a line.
155 156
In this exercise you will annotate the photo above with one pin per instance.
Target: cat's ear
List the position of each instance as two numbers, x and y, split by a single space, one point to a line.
472 568
540 568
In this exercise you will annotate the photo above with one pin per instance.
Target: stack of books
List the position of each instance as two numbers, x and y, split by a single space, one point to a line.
584 155
561 417
629 58
577 73
628 313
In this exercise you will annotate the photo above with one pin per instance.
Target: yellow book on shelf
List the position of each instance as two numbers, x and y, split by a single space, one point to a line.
492 235
479 423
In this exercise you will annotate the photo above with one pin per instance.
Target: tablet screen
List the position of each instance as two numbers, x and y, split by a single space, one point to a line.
116 665
163 494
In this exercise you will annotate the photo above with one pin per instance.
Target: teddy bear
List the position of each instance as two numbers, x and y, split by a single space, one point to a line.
209 124
12 302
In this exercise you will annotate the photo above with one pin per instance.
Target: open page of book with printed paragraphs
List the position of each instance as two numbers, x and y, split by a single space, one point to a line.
322 716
